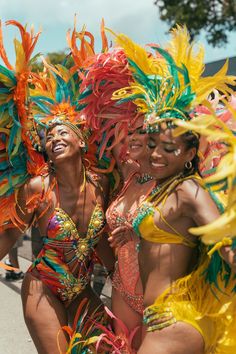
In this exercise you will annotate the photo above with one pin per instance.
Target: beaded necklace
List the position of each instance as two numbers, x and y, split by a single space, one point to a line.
159 189
143 178
164 189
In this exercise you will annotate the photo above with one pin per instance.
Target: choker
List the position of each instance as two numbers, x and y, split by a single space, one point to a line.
145 177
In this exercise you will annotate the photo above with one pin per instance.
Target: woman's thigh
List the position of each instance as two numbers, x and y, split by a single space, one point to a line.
178 338
44 316
92 305
127 315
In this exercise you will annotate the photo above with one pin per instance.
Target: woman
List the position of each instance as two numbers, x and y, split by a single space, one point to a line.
184 292
127 294
168 252
110 124
67 202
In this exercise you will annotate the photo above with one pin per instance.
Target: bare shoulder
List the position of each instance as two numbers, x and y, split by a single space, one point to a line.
190 187
37 184
197 201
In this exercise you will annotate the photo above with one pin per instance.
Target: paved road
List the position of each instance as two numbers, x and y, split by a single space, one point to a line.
14 336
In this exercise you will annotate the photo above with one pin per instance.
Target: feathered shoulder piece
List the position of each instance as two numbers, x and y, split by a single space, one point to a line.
219 127
19 160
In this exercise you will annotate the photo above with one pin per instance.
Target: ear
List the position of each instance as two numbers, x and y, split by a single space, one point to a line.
190 154
81 143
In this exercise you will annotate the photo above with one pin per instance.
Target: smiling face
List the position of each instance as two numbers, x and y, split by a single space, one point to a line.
137 141
168 154
62 144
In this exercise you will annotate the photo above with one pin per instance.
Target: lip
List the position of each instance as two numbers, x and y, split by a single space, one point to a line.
58 148
134 146
157 165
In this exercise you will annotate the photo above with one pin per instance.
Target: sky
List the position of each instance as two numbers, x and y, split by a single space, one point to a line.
139 19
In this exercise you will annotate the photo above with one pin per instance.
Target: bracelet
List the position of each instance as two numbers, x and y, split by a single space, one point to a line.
161 325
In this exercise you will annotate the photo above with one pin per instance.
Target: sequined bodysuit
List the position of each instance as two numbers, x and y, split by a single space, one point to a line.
66 260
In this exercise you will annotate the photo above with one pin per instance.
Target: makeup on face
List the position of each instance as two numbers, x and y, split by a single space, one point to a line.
167 154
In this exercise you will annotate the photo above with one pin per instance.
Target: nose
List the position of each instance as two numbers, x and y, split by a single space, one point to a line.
155 153
56 137
133 135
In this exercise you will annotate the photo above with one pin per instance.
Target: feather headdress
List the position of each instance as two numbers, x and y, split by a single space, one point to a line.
171 86
107 72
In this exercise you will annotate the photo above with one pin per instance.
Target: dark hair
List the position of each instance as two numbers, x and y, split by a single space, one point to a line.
191 140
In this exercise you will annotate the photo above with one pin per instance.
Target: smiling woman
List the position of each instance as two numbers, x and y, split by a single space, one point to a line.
67 201
185 292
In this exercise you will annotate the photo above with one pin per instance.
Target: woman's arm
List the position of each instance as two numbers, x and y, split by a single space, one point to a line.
21 215
197 203
204 211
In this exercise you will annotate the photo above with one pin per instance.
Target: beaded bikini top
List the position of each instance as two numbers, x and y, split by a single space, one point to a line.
116 218
62 232
62 229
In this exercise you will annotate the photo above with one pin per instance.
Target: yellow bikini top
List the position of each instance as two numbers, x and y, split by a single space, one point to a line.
145 227
144 224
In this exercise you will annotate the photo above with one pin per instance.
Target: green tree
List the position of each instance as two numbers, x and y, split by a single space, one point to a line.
53 58
216 17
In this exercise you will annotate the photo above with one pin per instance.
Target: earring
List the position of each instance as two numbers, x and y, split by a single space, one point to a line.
84 149
188 165
51 166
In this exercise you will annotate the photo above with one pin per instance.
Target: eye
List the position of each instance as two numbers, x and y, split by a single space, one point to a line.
151 144
142 131
169 150
64 132
48 138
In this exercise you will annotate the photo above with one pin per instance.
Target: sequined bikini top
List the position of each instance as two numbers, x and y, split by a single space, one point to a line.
114 217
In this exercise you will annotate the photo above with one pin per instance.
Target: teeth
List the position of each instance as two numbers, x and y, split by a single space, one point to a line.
155 164
58 147
135 146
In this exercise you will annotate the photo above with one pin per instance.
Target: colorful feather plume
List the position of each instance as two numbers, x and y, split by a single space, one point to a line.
18 158
84 333
224 177
109 122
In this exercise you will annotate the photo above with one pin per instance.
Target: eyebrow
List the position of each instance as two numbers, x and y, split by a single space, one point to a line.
59 130
169 142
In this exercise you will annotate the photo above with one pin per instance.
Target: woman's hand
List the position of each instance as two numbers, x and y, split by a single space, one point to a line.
121 235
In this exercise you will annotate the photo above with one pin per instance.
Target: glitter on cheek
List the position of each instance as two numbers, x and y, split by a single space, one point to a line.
177 152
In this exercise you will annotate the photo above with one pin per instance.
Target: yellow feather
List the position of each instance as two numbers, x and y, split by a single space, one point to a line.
219 223
20 56
146 62
6 80
219 81
184 52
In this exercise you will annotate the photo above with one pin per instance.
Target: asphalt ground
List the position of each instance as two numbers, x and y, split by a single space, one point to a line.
14 335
